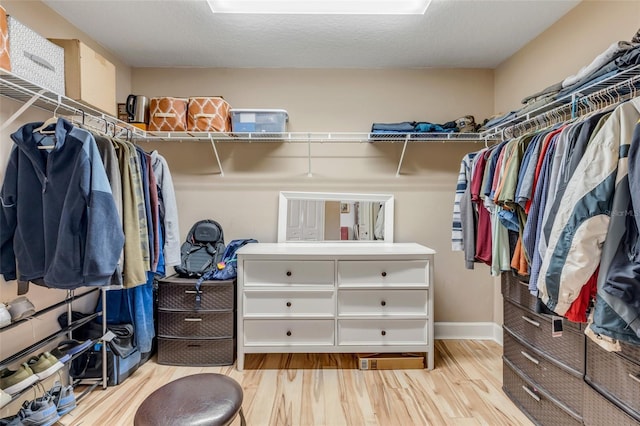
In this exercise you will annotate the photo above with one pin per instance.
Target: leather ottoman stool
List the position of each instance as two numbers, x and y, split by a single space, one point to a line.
209 399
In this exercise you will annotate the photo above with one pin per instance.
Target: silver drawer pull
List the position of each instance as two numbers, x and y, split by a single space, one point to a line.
531 393
530 358
530 321
636 378
193 319
191 292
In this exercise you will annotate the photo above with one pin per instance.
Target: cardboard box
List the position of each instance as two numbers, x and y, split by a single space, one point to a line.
393 361
89 77
141 126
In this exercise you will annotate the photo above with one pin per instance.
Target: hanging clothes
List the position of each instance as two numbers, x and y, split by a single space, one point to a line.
58 218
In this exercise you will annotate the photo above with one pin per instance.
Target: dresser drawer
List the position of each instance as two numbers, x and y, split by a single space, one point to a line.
196 353
289 332
614 374
563 385
535 329
197 324
382 302
534 403
389 273
175 293
289 303
600 411
287 272
382 332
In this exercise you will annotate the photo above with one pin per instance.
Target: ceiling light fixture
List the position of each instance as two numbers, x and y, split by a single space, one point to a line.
322 7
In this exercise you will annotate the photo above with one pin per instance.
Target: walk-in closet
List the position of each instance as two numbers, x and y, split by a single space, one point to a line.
261 213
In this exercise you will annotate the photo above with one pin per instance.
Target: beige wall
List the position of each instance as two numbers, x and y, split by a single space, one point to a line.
569 44
245 199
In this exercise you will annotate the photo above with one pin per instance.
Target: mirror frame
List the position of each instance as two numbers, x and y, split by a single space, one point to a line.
285 196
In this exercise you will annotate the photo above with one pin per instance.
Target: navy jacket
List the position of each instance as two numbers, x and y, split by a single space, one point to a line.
58 220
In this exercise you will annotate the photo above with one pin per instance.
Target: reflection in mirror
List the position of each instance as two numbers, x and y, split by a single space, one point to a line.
308 216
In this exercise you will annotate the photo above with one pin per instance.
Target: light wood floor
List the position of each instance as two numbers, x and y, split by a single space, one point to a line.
329 390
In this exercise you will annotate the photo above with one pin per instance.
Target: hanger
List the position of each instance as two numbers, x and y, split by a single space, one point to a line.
47 123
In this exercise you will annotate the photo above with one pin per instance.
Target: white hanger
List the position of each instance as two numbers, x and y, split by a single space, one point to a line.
49 122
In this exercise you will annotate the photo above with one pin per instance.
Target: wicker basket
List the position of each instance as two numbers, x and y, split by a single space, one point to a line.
196 324
196 353
533 402
564 385
175 293
599 411
614 375
535 329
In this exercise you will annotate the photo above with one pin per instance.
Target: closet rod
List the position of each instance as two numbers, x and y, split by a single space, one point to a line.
597 101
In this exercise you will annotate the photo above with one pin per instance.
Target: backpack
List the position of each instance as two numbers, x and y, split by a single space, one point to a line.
227 268
202 250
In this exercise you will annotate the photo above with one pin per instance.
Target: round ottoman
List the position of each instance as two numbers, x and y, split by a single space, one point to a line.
201 399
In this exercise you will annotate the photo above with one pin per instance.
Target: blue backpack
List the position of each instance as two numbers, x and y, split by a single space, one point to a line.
226 269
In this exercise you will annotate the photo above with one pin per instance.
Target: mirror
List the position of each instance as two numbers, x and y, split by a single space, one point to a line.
333 216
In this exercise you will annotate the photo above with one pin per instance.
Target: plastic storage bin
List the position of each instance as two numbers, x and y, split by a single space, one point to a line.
259 120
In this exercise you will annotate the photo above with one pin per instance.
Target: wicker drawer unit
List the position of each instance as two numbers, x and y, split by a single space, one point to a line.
535 329
600 411
517 290
196 334
536 403
565 385
615 376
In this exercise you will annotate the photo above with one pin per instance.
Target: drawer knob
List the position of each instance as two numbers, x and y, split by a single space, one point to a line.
384 333
288 273
289 333
288 304
530 321
383 303
384 274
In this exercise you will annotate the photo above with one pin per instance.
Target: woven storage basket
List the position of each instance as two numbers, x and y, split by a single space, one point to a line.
599 411
564 385
517 290
196 324
535 329
197 353
615 375
175 293
537 406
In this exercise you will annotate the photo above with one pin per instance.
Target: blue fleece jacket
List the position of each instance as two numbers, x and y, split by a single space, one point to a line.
58 220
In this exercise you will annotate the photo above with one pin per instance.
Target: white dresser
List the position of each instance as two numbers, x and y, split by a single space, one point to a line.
335 297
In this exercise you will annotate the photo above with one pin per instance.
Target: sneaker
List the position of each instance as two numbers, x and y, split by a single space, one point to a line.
21 308
68 348
5 316
63 398
5 398
44 365
11 421
13 382
39 412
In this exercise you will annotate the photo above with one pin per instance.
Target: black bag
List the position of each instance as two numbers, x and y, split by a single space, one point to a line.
202 250
88 365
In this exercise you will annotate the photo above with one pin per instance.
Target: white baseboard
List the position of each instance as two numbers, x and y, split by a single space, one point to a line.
468 330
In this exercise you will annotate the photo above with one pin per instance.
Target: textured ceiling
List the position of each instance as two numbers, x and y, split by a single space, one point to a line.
185 33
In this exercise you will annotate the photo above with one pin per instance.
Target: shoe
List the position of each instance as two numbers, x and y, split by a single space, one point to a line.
68 348
44 365
10 421
63 398
39 412
5 316
5 398
21 308
13 382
